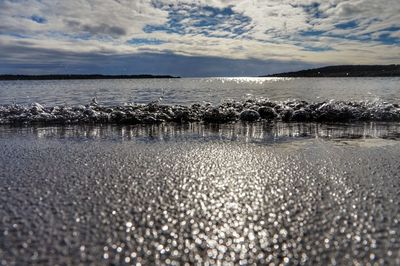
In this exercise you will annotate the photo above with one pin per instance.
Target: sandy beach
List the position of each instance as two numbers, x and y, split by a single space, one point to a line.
200 194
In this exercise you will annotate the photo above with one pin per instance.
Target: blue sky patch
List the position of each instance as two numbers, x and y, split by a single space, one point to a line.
14 34
312 10
311 33
317 49
144 41
39 19
392 29
386 38
347 25
204 20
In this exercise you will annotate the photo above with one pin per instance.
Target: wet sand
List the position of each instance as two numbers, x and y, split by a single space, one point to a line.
240 194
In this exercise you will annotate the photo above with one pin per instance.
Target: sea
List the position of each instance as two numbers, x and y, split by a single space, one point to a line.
187 91
321 190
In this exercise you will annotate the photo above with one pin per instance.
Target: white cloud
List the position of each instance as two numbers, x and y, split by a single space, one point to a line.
280 30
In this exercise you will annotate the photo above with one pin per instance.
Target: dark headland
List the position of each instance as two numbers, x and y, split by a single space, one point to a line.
70 77
345 71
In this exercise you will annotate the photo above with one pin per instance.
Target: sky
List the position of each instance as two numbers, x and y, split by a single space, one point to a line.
195 38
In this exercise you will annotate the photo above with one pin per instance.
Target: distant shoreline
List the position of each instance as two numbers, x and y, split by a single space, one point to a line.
341 71
82 77
344 71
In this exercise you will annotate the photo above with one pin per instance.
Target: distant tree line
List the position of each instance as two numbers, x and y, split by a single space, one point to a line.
346 71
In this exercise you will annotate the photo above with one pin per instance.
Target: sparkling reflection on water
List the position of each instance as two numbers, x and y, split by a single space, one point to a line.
200 194
262 132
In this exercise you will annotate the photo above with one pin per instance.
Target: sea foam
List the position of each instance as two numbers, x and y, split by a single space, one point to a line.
249 110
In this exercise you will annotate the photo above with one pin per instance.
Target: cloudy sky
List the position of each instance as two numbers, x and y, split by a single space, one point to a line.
195 38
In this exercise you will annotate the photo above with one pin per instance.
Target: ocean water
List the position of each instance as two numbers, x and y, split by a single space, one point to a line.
190 91
265 192
217 100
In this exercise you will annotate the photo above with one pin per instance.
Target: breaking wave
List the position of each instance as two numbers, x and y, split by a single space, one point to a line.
233 111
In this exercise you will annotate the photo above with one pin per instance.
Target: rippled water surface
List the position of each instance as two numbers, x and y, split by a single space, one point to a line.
188 91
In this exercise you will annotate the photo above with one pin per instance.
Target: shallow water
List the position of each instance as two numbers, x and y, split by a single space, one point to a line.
236 193
189 91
